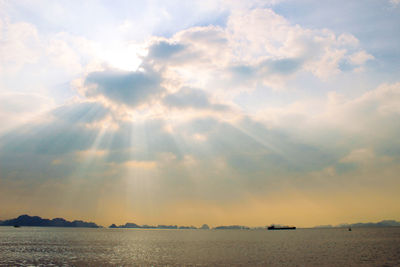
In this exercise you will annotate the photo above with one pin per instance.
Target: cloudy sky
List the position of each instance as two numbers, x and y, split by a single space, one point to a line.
192 112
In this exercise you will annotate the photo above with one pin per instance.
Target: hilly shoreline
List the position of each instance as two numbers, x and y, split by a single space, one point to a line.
26 220
36 221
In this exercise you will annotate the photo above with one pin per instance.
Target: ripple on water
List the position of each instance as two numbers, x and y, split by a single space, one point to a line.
306 247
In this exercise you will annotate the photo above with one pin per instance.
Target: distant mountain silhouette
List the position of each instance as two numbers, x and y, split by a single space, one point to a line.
232 227
385 223
26 220
205 227
129 225
136 226
187 227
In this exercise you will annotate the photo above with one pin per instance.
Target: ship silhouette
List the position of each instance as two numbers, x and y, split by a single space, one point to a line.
273 227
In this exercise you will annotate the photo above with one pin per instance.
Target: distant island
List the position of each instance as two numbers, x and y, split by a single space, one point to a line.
232 227
26 220
384 223
160 226
204 227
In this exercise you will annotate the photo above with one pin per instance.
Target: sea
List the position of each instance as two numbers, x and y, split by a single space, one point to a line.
50 246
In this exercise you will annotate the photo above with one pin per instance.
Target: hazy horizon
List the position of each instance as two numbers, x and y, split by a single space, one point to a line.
121 225
217 112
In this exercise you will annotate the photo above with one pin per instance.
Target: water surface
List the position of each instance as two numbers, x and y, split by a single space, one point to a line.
27 246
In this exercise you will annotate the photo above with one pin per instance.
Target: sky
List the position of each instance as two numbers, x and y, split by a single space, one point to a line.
191 112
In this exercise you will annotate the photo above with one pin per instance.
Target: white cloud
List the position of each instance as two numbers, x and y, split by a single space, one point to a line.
359 156
62 55
348 39
360 57
19 45
263 33
258 40
19 108
338 123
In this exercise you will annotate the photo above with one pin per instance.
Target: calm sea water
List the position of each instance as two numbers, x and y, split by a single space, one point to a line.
35 246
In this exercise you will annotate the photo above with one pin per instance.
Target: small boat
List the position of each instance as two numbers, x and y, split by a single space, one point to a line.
273 227
349 228
16 226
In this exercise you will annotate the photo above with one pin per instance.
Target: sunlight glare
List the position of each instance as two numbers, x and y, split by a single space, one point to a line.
123 56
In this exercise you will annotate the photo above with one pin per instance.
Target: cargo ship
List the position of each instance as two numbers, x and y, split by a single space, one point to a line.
273 227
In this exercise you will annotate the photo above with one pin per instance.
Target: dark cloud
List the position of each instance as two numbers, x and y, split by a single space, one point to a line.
85 112
66 132
241 156
142 141
164 50
209 35
249 145
55 138
27 152
243 71
192 98
284 66
198 46
129 88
